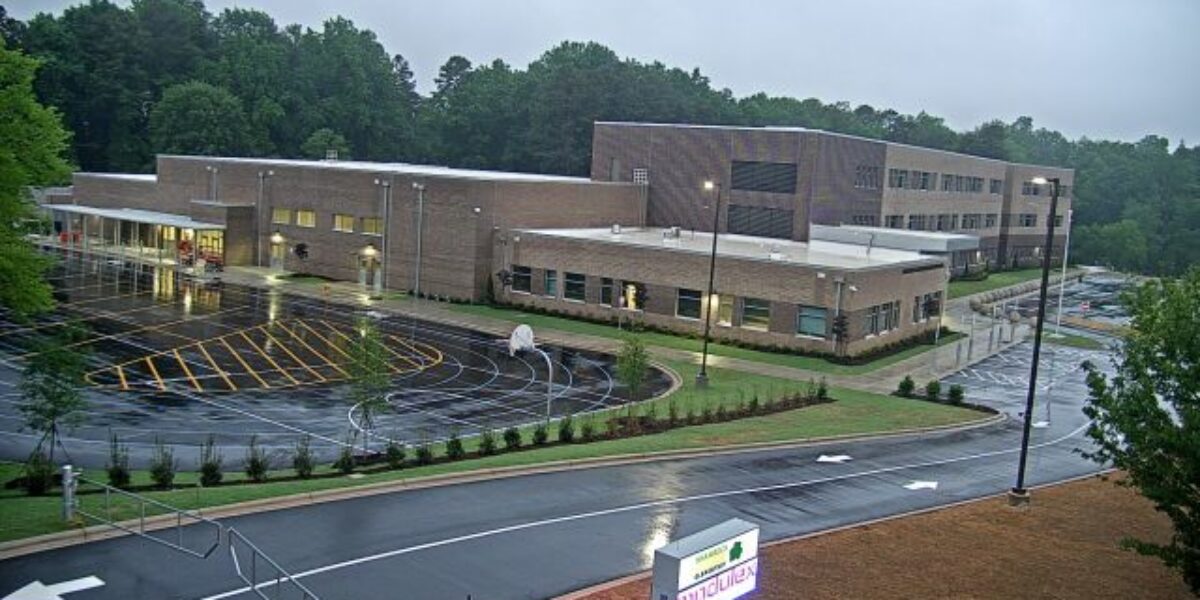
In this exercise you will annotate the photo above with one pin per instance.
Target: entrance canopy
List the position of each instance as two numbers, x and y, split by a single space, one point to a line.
136 216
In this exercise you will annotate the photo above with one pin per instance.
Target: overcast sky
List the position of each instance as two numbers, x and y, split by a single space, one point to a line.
1100 68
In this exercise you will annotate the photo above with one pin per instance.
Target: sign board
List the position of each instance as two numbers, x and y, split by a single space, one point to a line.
719 563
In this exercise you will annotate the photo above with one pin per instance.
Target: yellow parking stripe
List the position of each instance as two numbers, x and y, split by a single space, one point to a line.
416 350
268 357
253 373
187 371
121 376
217 368
385 346
328 342
313 350
154 370
291 354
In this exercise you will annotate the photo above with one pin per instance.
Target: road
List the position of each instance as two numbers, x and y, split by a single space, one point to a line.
542 535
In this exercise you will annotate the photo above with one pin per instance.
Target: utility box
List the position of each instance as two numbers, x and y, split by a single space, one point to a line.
719 563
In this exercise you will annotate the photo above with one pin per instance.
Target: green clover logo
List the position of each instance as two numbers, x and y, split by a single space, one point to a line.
735 552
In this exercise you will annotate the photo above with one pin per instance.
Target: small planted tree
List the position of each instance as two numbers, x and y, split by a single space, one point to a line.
303 461
369 378
50 384
256 464
933 389
454 447
487 443
633 364
424 454
540 435
162 465
394 453
118 463
907 387
512 439
211 463
956 394
587 429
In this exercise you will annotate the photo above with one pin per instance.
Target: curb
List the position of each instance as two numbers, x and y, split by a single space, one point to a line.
614 583
51 541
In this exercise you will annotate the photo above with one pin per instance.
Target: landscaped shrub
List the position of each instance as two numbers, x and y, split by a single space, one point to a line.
256 464
303 461
162 465
211 463
345 460
540 435
933 389
906 387
691 417
487 443
454 447
118 463
424 454
39 474
587 429
722 414
512 438
956 394
672 413
753 407
822 390
566 430
394 453
706 414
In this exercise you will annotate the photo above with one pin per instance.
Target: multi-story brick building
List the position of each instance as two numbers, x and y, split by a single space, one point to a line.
778 180
631 242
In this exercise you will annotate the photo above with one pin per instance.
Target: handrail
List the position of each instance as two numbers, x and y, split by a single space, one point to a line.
280 576
142 502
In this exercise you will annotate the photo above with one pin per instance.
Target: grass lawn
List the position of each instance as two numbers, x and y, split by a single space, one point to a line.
853 412
666 340
1074 341
996 280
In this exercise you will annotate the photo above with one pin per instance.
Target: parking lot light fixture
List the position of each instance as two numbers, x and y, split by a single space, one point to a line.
1018 495
702 376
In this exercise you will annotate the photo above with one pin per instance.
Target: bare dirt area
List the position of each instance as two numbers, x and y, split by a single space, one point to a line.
1065 545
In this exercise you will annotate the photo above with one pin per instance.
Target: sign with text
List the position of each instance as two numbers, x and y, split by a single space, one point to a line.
719 563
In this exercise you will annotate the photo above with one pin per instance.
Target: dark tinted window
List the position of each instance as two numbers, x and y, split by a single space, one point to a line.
779 178
760 221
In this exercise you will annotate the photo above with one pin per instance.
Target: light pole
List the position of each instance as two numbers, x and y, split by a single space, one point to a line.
702 376
1062 283
258 231
1018 495
212 184
420 187
387 228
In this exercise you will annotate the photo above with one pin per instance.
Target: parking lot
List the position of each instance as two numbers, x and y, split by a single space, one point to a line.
175 359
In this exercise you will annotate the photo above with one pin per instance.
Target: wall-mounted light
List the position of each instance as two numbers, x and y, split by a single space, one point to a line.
276 238
369 251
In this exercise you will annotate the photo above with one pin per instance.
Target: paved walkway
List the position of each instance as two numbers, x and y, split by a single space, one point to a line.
984 338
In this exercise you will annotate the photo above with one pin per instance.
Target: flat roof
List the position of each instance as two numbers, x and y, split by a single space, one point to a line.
815 253
900 239
144 177
390 167
136 216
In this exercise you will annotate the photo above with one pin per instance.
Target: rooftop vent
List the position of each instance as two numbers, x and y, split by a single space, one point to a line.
616 229
331 154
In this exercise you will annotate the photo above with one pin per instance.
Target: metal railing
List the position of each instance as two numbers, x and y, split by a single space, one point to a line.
274 576
116 514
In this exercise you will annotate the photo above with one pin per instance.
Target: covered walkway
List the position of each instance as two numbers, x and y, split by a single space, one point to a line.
144 235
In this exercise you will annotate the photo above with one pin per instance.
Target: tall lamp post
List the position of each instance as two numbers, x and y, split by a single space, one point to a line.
1018 494
702 376
1062 282
420 187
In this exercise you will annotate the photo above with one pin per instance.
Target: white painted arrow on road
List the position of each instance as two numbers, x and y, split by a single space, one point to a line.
1041 424
922 485
833 458
40 591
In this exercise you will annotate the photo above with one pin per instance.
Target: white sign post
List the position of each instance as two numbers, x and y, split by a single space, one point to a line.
719 563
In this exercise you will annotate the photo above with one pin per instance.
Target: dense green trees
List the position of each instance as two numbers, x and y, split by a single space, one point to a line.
199 118
110 70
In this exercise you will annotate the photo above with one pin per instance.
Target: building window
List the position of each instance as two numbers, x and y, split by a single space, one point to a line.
281 216
926 181
1058 220
306 218
606 291
863 220
866 177
989 221
882 317
575 286
943 223
760 221
898 178
972 221
916 222
551 280
930 305
996 186
687 304
522 279
372 225
756 314
630 297
750 176
810 320
642 176
1030 188
894 221
1027 220
725 310
917 313
343 223
975 184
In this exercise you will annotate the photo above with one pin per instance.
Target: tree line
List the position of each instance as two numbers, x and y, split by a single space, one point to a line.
167 76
